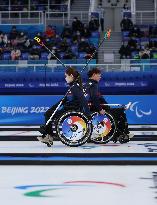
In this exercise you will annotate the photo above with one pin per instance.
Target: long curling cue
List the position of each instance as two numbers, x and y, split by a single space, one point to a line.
106 36
42 44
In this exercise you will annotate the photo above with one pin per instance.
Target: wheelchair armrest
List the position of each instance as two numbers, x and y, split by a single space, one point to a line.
126 107
109 104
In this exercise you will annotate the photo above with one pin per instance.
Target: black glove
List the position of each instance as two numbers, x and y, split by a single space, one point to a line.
89 117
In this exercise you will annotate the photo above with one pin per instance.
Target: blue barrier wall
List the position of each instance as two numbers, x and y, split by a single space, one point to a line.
26 81
29 110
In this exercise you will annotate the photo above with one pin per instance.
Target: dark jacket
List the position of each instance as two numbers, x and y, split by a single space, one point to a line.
76 99
94 96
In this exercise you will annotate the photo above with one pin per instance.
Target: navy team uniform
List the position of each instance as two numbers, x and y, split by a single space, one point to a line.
74 101
96 99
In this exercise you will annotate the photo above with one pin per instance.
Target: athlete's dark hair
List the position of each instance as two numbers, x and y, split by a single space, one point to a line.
93 71
76 75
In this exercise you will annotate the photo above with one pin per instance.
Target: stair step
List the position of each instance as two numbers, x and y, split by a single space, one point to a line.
111 46
145 5
81 5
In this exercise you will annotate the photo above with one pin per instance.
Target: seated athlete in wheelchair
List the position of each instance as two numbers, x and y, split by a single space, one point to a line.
70 123
108 123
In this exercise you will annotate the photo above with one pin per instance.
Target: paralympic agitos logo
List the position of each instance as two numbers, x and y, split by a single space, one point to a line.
139 112
47 190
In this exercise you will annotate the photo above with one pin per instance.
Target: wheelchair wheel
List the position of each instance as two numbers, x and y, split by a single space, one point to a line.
104 128
123 139
73 128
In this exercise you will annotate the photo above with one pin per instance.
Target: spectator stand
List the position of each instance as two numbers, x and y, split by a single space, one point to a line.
145 37
34 5
54 39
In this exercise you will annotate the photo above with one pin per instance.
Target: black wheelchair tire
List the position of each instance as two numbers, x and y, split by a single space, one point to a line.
111 134
66 141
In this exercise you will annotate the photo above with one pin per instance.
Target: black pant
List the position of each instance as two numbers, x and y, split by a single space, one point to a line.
102 24
48 114
120 119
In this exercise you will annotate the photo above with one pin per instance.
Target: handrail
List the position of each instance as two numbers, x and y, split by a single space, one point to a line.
33 4
22 5
66 16
21 12
133 10
140 16
40 17
69 9
21 16
74 64
155 7
138 11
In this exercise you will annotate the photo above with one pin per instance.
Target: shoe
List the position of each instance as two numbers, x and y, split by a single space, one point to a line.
40 138
130 135
48 139
123 139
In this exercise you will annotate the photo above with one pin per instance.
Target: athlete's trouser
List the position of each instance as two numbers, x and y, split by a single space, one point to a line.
120 117
48 114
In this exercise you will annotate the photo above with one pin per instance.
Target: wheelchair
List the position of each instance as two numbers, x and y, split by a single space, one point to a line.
108 127
74 128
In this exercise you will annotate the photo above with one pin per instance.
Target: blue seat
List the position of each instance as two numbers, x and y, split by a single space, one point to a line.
134 54
82 55
126 39
94 41
95 14
95 34
24 56
68 41
63 8
44 55
127 13
144 40
125 34
137 39
61 55
154 54
40 8
74 48
153 39
6 56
